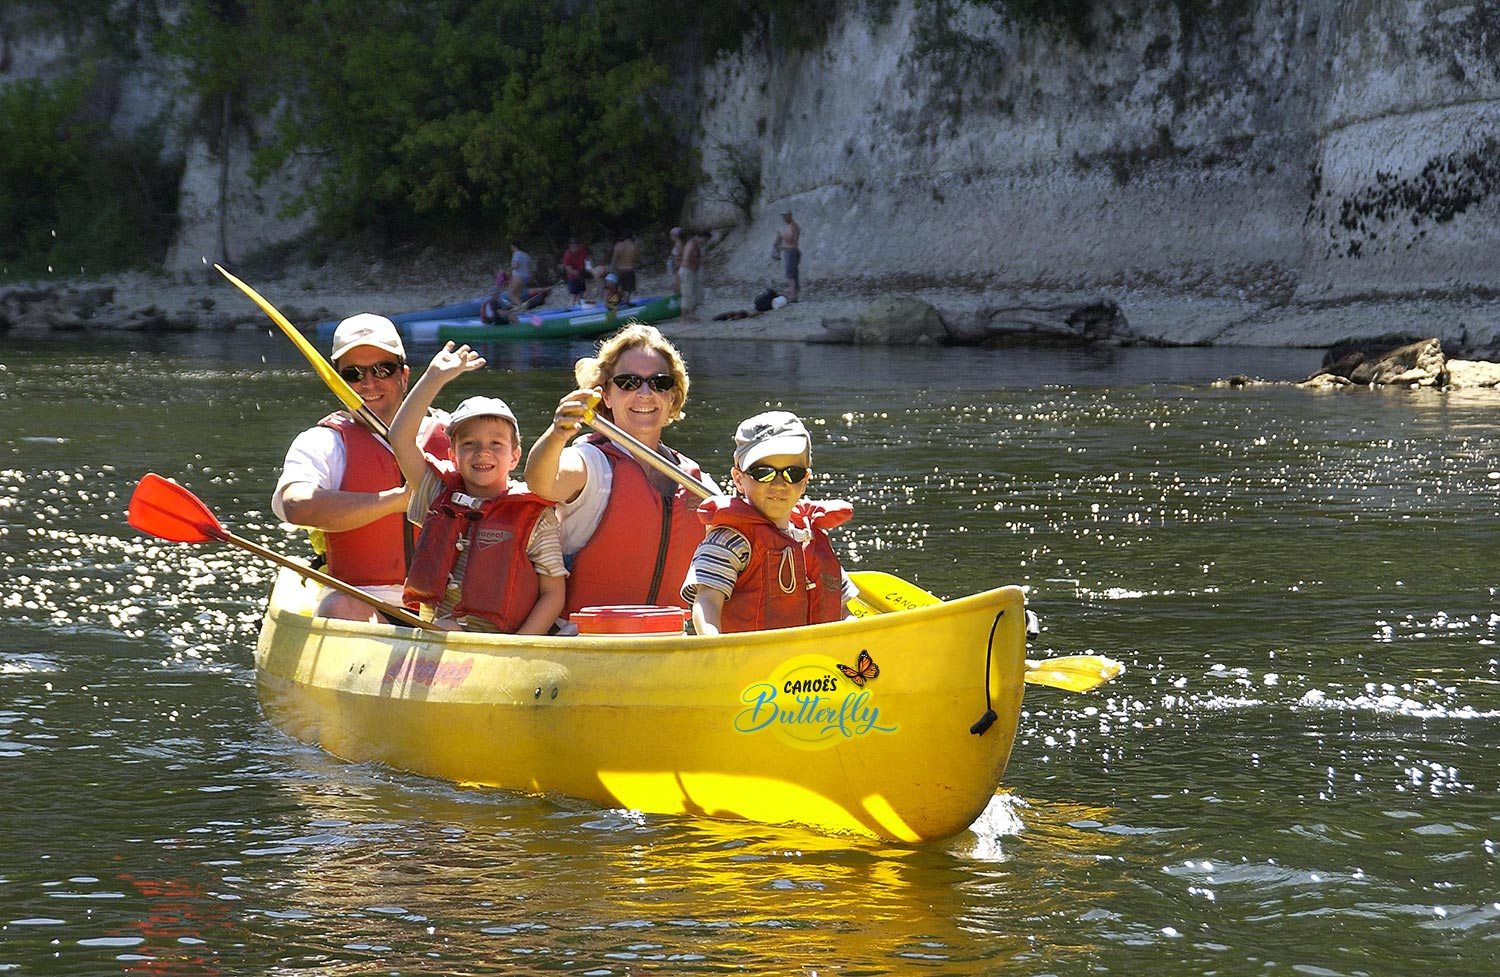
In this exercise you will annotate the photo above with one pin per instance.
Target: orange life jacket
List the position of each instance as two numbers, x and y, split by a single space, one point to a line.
644 544
786 584
499 583
375 554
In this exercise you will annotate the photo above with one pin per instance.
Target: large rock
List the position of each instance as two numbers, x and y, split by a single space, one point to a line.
899 320
1059 323
1468 374
1419 364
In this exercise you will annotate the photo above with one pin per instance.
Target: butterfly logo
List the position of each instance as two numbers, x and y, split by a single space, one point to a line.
866 670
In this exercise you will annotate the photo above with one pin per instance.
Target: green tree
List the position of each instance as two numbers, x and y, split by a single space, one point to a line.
71 195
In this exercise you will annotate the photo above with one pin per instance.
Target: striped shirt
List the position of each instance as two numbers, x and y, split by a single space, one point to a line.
725 553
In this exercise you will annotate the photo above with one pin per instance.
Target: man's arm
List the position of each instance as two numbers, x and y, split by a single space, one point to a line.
337 511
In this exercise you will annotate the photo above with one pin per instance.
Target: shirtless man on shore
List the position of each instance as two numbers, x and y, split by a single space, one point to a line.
622 264
788 245
691 275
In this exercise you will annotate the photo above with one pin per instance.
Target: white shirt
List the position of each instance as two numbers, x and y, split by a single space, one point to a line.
316 456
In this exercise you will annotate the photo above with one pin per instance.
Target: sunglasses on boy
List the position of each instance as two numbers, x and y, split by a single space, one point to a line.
382 371
660 382
793 474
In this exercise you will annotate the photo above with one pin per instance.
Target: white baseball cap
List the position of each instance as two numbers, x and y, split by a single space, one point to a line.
775 432
482 407
367 329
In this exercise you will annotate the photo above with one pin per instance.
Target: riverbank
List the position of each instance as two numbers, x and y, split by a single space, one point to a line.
968 311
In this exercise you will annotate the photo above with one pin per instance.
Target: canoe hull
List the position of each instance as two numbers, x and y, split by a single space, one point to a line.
761 727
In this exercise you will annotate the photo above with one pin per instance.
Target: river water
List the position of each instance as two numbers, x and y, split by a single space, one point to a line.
1297 774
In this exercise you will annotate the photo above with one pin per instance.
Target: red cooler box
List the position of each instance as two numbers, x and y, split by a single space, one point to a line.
630 619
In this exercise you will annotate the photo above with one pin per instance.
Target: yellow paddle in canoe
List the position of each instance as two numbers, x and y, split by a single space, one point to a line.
336 383
884 593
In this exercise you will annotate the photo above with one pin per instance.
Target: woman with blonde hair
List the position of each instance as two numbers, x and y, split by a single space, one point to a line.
628 532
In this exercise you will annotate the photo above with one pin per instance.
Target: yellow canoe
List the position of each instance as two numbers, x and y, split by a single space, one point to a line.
766 727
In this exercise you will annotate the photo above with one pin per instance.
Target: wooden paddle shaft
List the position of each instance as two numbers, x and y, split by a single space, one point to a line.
390 610
638 448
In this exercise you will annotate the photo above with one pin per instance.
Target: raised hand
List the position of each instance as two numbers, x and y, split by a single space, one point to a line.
449 361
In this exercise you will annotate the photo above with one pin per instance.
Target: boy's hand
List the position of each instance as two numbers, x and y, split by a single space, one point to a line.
568 417
449 362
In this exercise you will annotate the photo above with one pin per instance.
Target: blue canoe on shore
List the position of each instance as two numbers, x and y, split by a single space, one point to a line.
461 323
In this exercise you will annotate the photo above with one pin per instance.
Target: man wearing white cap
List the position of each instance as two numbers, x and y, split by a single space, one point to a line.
341 480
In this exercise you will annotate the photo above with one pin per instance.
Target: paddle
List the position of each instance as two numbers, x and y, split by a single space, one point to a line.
1076 673
336 383
168 511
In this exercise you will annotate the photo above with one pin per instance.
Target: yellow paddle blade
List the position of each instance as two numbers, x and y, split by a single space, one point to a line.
336 383
884 593
1075 673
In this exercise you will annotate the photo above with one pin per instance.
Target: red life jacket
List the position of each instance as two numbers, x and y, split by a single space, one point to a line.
499 583
375 554
644 544
786 584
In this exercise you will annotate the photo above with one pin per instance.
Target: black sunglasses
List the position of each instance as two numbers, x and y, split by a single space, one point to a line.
768 473
660 382
354 374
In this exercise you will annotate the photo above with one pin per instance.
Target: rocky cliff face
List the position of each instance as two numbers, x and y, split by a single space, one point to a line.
1302 153
1287 155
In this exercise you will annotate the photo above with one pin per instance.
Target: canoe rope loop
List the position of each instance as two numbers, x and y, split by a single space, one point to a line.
988 719
786 574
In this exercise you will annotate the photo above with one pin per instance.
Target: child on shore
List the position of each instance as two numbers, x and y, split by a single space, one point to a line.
489 557
766 561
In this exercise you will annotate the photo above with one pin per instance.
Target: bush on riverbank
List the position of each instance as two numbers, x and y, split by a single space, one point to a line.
75 199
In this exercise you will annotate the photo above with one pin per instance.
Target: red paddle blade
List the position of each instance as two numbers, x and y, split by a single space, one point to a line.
168 511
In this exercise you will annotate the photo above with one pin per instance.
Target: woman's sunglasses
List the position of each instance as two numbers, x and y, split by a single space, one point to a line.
354 374
660 382
767 473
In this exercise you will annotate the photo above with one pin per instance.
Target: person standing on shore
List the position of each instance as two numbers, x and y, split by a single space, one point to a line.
691 275
520 275
788 245
341 480
576 267
622 264
674 260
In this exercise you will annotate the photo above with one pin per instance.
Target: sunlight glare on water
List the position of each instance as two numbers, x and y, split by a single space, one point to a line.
1295 774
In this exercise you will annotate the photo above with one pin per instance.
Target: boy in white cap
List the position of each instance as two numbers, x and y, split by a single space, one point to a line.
341 481
766 561
489 557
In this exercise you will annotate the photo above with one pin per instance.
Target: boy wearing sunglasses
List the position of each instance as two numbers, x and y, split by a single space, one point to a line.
766 561
489 557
